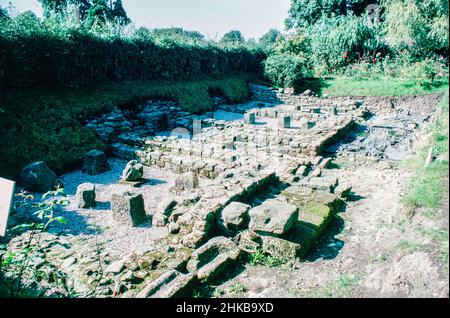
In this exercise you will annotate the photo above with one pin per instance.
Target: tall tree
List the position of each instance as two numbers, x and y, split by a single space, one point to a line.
306 12
83 7
233 37
3 14
420 27
53 6
98 12
268 40
60 6
119 14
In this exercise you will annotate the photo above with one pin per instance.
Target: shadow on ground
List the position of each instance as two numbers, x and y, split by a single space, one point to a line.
328 246
316 85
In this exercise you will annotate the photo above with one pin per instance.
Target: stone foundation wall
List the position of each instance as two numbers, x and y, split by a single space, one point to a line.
304 102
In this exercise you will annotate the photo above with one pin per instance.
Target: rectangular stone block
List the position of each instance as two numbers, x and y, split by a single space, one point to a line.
284 121
250 118
128 208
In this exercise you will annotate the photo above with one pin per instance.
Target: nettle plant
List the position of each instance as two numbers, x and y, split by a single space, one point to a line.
26 263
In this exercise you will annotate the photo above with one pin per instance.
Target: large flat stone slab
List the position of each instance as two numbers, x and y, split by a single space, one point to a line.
273 217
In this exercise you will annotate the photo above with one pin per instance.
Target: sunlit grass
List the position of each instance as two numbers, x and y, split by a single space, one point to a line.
380 87
427 188
339 288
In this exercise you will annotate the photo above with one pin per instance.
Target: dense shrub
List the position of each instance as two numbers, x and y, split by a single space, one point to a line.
417 28
32 53
268 40
423 72
286 69
306 12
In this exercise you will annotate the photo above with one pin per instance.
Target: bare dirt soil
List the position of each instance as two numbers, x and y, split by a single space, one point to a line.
375 248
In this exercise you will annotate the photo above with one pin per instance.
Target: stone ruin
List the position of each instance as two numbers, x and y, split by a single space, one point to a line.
268 189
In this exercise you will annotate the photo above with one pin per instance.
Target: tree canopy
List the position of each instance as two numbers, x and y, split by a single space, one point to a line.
306 12
268 40
93 12
233 37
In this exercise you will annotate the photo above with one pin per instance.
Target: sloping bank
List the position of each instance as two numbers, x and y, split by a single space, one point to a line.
44 123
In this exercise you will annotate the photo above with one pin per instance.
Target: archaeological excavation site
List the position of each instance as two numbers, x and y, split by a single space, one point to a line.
182 203
180 152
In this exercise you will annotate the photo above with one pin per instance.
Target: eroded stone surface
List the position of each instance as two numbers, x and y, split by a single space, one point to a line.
95 162
86 196
37 177
134 171
128 208
282 177
234 216
273 217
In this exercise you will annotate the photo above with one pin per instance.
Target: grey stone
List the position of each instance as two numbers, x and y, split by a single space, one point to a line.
283 250
208 251
166 207
248 241
272 113
187 181
68 263
302 171
86 196
134 171
326 163
273 217
37 177
157 284
284 121
343 190
180 287
174 228
159 220
115 267
128 208
95 163
234 216
250 118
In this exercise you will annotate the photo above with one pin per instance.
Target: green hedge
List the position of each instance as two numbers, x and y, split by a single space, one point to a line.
75 58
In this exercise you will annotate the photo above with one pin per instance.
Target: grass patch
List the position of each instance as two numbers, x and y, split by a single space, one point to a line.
408 246
238 288
265 259
381 87
43 123
427 187
436 235
340 288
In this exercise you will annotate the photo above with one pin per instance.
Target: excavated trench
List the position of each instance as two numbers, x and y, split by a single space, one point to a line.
303 175
388 132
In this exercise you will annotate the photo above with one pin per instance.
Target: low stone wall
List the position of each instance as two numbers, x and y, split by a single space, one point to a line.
304 102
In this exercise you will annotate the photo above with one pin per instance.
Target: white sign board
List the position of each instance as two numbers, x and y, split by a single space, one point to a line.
6 200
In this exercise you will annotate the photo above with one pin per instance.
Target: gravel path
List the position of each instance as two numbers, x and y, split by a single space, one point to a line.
98 223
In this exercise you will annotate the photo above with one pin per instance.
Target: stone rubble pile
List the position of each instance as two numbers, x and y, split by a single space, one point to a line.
268 189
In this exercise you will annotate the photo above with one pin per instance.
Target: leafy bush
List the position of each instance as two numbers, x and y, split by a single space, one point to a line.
337 42
286 69
424 72
269 39
417 28
265 259
233 37
27 262
34 52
